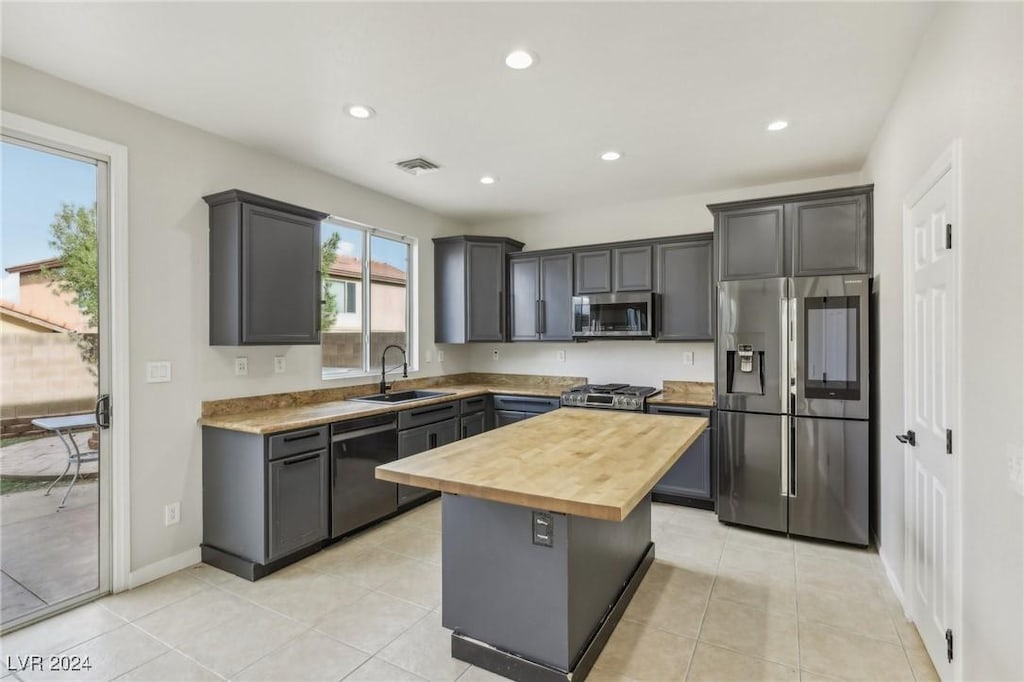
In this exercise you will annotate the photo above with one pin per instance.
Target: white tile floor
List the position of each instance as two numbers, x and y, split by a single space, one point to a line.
719 603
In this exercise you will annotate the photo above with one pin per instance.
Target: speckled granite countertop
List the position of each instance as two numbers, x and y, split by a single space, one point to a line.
700 393
288 411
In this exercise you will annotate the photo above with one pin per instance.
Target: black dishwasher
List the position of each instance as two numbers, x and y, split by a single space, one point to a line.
357 448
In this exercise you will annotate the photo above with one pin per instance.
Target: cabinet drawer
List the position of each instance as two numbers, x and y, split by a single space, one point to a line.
471 405
429 414
294 442
522 403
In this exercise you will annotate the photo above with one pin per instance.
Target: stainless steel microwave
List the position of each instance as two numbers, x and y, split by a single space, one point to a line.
626 315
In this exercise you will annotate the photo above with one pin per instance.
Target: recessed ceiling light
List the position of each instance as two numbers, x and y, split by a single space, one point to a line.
775 126
488 180
520 59
360 111
611 156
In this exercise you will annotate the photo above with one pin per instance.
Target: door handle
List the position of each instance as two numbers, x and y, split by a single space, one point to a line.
908 438
103 411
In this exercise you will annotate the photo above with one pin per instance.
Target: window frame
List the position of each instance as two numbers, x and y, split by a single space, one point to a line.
411 298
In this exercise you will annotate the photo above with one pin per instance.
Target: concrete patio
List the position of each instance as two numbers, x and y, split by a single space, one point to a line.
46 556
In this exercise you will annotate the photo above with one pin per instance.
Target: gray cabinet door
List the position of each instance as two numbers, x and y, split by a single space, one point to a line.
632 268
830 236
485 291
524 299
593 271
556 298
474 424
506 417
280 277
751 243
691 475
421 439
297 508
685 284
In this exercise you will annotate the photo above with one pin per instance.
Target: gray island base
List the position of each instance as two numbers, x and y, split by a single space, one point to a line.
534 595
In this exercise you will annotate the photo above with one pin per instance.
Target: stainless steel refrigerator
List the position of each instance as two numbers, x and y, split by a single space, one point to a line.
793 405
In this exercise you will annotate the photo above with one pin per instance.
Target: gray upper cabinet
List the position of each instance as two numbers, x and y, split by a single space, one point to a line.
830 236
593 272
751 242
470 281
541 297
685 283
800 235
524 298
632 268
264 271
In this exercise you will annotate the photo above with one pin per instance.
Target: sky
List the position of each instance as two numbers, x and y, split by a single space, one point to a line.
32 187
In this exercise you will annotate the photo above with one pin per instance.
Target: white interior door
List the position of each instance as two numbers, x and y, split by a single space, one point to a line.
931 297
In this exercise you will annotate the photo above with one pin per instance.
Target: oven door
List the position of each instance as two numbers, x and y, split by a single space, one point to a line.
830 372
626 315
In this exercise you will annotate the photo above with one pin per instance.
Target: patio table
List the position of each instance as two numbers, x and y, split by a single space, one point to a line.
63 427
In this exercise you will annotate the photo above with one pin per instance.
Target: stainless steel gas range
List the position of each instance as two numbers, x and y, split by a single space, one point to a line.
609 396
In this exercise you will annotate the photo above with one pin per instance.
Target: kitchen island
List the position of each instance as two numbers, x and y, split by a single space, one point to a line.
546 533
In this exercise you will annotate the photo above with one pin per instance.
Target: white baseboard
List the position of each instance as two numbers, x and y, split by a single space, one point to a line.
894 583
158 569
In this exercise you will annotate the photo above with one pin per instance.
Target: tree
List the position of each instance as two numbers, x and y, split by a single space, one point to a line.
73 237
329 306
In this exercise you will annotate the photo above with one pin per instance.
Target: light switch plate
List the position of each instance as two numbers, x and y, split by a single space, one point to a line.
279 364
241 367
158 372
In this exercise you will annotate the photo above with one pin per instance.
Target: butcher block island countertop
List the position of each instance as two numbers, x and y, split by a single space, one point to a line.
592 463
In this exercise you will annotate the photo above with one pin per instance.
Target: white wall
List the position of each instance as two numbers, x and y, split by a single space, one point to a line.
965 82
171 166
636 362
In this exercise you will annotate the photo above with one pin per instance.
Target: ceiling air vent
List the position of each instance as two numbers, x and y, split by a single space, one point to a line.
417 166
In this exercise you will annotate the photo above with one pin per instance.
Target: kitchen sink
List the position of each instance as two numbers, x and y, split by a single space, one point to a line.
399 397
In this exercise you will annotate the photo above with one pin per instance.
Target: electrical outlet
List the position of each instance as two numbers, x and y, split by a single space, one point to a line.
428 356
172 513
241 367
688 357
561 356
440 356
494 355
279 364
1016 474
158 372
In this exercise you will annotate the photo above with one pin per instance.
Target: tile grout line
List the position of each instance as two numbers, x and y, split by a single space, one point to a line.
707 603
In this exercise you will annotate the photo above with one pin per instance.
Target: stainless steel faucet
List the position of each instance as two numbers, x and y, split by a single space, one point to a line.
384 385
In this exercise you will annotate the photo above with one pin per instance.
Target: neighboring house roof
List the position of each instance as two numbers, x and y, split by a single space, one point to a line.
350 267
36 266
9 309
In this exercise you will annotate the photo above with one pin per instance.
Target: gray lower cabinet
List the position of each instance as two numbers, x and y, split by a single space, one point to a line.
509 409
470 288
473 424
692 477
800 235
420 439
541 297
684 282
265 498
297 501
265 284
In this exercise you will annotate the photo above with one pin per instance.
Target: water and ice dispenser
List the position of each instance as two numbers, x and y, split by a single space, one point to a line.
744 370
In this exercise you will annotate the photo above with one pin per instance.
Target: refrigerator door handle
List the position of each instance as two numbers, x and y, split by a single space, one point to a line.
784 353
784 460
793 353
792 457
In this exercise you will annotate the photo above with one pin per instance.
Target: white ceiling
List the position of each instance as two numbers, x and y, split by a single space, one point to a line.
683 90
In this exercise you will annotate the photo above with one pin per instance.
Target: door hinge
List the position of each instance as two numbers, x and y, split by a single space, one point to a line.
949 441
949 236
949 646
